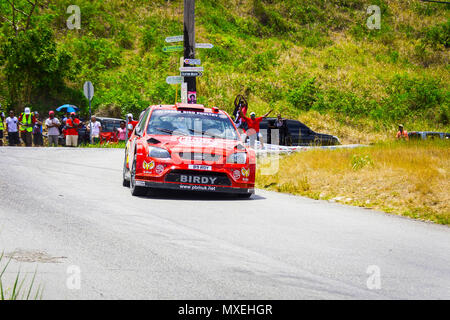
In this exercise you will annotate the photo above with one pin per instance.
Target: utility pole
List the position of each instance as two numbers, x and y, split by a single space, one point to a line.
189 41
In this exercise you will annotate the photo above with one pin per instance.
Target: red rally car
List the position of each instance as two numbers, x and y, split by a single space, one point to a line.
188 147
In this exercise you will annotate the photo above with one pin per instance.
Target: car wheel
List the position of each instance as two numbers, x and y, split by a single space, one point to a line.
135 190
125 182
244 195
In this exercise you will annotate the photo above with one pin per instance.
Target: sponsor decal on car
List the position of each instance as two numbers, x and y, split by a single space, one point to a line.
197 188
148 165
200 167
189 141
159 169
245 172
236 174
197 179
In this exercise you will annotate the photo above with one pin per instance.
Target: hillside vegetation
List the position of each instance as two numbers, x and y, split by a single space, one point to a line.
309 59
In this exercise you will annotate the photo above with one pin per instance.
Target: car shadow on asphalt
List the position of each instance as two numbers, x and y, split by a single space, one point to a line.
196 196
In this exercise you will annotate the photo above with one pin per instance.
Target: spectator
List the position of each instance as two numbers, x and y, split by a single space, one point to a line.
27 121
2 126
52 124
122 131
38 141
240 106
402 134
253 128
72 124
96 129
131 124
12 127
280 125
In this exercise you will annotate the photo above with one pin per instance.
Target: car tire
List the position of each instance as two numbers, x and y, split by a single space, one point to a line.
125 182
135 190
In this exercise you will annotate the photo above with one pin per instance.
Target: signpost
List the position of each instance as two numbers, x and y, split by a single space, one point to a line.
204 46
88 89
193 62
187 69
172 48
191 74
174 79
188 74
174 39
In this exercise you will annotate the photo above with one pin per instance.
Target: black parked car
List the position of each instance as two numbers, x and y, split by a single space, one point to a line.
109 124
424 135
295 133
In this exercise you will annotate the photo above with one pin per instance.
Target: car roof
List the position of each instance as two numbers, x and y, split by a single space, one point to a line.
106 118
188 107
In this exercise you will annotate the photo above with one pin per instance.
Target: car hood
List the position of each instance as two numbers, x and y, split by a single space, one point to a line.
197 144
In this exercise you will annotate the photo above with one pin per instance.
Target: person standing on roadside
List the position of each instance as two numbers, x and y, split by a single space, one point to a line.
131 124
122 131
253 128
38 141
72 124
12 127
402 134
27 121
52 125
2 126
96 129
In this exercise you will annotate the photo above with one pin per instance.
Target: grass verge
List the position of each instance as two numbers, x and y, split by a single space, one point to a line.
19 290
409 179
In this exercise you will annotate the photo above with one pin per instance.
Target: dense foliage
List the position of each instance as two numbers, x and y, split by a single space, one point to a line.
291 55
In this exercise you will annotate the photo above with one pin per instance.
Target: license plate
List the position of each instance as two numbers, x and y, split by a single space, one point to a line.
200 167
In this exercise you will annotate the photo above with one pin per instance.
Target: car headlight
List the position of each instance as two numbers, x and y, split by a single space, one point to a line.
160 153
237 158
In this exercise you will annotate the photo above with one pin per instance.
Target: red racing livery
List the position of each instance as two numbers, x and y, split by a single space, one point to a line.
188 147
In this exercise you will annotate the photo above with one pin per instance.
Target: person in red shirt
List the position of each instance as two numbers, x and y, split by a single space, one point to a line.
131 124
253 128
72 124
402 134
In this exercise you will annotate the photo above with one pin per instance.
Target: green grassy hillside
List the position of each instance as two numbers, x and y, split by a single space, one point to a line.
299 57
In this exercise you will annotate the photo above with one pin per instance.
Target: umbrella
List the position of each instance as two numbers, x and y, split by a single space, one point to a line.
68 108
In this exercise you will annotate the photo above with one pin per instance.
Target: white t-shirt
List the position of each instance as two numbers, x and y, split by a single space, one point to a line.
96 128
53 131
12 124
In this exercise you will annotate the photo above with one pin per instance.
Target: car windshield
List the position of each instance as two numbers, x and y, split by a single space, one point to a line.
191 123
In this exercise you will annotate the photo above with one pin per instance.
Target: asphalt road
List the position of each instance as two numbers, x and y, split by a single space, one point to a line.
65 210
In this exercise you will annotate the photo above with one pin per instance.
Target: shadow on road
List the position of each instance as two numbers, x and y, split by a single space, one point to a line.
196 196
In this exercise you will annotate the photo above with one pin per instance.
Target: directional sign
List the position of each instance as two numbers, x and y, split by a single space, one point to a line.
191 74
174 80
194 62
173 48
203 46
187 69
88 90
174 39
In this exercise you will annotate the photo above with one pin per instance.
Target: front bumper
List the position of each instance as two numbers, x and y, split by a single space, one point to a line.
193 187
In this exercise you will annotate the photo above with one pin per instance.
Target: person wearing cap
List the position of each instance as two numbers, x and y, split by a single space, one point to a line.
402 134
26 122
131 124
72 124
52 124
253 128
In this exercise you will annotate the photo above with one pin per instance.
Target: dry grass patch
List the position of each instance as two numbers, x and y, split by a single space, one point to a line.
409 179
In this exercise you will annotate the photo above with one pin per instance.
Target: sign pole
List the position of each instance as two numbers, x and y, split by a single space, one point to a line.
88 89
189 40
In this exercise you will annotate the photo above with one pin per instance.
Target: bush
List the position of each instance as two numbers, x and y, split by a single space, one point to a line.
304 96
